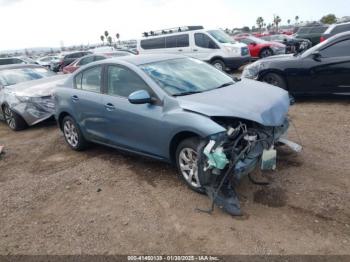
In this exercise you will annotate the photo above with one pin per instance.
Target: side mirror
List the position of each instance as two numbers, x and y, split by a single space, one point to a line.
140 97
253 43
316 56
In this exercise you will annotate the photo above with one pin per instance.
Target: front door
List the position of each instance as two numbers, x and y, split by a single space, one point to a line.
135 127
331 73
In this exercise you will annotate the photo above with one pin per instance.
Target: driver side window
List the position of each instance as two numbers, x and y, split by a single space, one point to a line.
338 49
122 82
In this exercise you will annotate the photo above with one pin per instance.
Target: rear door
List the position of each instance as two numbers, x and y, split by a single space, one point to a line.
86 100
135 127
178 44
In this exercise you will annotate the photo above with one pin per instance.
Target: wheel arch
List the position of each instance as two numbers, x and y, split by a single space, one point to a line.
275 71
216 58
176 140
60 118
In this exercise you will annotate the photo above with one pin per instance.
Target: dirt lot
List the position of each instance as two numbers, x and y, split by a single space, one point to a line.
101 201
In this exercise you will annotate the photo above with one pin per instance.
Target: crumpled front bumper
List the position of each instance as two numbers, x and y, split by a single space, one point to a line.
230 156
34 110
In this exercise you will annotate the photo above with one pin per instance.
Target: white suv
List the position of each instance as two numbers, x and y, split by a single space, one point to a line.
212 46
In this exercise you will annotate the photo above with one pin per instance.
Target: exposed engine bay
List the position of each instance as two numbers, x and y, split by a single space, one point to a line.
225 158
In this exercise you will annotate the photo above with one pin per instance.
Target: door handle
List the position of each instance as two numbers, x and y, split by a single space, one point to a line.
75 98
180 50
195 50
109 107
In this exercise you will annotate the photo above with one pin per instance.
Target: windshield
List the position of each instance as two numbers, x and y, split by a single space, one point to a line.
14 76
221 36
186 75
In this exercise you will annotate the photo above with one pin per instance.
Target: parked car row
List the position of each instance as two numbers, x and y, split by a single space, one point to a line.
322 69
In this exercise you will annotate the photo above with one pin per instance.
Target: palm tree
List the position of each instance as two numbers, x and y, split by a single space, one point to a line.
260 22
102 39
109 40
296 20
117 36
276 21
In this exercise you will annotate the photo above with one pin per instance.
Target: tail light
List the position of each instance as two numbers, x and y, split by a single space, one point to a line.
322 39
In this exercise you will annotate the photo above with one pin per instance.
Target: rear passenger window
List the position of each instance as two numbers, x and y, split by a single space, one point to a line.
318 30
202 40
177 41
154 43
338 49
89 80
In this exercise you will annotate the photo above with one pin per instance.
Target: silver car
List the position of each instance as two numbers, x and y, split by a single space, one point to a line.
26 95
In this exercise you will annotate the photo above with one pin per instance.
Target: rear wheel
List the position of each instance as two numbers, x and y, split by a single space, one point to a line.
275 79
265 53
13 120
72 134
219 64
186 160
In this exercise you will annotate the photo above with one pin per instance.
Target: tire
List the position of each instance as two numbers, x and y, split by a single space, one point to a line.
186 149
13 120
275 79
219 64
73 135
265 52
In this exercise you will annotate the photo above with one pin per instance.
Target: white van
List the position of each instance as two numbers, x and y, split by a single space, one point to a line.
212 46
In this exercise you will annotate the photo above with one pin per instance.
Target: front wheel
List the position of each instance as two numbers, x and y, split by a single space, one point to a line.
275 79
219 64
266 52
186 160
73 135
13 120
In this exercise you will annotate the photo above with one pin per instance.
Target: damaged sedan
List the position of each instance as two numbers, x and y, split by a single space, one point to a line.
214 128
26 95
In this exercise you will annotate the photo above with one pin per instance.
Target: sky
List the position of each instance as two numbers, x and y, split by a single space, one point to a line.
53 23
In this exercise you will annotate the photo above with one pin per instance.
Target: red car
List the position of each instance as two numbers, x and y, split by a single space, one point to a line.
82 61
260 48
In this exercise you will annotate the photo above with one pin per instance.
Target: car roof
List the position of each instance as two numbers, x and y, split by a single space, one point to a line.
146 59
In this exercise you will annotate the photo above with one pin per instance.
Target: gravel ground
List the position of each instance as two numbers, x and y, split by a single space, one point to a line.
102 201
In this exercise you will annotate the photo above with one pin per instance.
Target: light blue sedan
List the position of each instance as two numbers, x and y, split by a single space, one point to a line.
176 109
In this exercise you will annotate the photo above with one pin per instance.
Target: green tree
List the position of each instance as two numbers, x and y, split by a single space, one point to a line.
288 21
296 19
106 34
102 37
246 29
329 19
260 22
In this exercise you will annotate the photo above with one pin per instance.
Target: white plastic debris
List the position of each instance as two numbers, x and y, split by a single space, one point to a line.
292 145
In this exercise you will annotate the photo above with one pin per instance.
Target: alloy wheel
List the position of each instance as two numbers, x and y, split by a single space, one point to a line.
188 166
9 117
71 134
218 66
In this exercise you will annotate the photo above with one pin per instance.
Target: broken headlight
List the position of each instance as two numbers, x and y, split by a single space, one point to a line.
252 71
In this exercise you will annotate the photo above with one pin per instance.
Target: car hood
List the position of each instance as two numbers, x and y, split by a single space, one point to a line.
37 88
247 99
277 57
